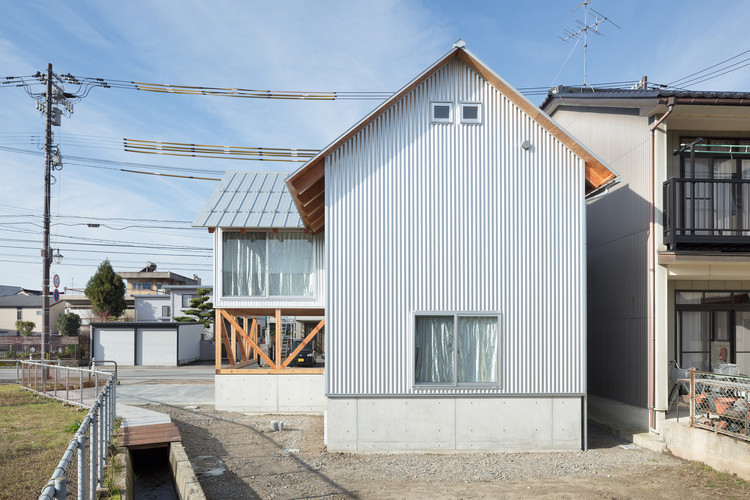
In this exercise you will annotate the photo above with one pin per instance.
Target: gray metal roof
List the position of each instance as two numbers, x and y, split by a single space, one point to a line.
250 199
722 97
22 301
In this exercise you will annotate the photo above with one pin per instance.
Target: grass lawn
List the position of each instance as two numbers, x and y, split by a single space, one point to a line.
33 438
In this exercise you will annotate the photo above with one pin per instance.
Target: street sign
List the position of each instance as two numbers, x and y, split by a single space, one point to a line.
56 280
56 295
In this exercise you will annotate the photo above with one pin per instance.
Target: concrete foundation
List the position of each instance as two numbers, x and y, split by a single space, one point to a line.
277 393
453 424
608 410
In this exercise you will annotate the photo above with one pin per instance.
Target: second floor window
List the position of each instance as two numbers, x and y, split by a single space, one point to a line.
261 264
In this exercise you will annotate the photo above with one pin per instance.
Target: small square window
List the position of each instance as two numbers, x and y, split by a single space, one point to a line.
165 311
441 112
471 112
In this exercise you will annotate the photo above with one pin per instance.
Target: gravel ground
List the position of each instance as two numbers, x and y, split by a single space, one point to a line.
238 456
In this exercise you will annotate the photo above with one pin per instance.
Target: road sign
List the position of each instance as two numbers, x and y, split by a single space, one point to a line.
56 295
56 280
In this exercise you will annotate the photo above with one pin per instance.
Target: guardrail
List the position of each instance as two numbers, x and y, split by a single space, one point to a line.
720 403
95 431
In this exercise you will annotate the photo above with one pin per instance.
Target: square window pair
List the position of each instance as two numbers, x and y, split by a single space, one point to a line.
442 112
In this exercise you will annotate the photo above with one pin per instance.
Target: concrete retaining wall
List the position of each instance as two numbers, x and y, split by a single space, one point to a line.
186 483
303 393
723 453
454 424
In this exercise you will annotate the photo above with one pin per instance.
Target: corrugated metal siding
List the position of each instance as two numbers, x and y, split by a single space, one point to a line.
249 199
317 301
617 253
435 217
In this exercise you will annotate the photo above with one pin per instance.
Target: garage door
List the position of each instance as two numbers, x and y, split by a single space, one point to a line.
156 347
114 345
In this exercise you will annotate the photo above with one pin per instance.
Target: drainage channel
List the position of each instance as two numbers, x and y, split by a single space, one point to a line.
152 474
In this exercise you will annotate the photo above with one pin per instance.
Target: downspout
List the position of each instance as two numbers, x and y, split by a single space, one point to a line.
652 273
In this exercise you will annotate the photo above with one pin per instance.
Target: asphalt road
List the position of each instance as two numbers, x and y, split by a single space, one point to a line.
173 385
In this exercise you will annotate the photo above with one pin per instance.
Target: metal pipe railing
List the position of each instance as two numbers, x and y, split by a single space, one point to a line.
94 433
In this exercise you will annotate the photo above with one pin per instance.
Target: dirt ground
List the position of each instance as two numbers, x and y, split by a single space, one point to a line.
238 456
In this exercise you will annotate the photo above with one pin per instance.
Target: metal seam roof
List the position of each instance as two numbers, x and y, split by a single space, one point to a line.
250 199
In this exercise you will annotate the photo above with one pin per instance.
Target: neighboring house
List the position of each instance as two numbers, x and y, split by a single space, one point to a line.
668 268
27 308
452 275
17 290
166 307
149 281
81 305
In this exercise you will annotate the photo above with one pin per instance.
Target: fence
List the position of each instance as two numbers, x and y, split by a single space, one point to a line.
91 389
720 403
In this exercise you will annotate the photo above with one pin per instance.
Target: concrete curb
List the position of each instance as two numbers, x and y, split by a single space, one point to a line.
186 483
642 439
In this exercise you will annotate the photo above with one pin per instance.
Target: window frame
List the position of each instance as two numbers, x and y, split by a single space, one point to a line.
456 384
267 295
190 297
433 104
169 311
470 121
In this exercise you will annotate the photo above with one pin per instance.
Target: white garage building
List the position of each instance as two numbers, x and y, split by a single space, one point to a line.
146 343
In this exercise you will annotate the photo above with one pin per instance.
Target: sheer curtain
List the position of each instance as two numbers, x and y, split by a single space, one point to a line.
477 349
434 349
244 264
291 264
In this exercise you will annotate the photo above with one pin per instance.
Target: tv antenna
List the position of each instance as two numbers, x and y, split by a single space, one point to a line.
582 30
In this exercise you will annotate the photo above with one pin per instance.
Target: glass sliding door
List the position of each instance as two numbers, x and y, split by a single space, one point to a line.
694 328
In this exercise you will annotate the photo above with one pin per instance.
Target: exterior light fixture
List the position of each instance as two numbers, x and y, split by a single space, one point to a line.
526 145
57 256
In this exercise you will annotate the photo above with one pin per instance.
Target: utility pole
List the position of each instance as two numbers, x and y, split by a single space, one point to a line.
46 250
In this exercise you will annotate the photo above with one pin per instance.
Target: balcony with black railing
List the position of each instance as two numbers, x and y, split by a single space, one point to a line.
707 214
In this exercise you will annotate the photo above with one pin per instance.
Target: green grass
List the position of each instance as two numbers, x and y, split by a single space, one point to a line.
33 437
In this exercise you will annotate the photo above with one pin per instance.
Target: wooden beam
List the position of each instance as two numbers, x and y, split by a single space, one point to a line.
304 343
269 371
228 347
252 344
314 191
218 324
315 203
277 354
305 179
254 336
211 230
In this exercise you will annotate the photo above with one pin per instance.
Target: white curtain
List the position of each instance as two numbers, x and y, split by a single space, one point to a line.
290 266
434 349
477 349
244 264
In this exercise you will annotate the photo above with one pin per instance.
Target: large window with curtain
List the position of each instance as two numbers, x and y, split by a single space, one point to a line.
456 349
263 264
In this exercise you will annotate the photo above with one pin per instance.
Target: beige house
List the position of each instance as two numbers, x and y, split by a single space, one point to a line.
27 308
149 281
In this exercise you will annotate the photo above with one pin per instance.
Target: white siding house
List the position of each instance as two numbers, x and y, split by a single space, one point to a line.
454 269
455 256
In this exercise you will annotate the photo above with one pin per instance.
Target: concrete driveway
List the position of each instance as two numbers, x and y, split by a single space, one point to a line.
173 385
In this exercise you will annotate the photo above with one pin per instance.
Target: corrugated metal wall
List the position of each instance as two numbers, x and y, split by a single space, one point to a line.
317 301
617 244
454 217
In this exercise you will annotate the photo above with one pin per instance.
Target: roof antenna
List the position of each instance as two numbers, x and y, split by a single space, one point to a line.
582 31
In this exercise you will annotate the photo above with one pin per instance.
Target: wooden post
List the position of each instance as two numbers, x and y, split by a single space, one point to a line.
218 324
277 361
254 337
233 342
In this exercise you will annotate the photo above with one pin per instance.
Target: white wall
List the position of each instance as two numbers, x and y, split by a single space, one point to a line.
189 343
149 307
454 218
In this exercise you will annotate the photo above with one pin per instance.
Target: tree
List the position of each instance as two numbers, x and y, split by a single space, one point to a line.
25 328
201 310
69 324
106 291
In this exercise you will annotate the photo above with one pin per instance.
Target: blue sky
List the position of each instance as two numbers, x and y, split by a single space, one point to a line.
305 45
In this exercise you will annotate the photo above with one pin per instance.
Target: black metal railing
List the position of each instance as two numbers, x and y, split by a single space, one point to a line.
706 212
